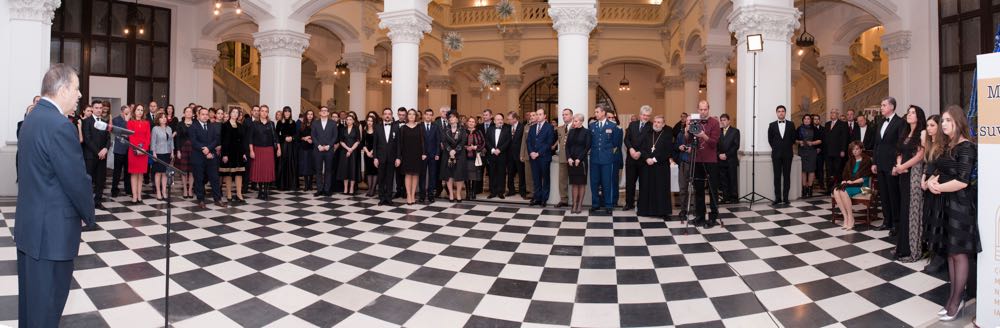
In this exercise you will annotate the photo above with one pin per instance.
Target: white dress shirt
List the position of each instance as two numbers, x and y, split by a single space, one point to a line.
862 130
387 128
885 125
781 128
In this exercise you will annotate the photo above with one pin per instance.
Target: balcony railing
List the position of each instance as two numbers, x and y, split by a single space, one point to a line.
538 13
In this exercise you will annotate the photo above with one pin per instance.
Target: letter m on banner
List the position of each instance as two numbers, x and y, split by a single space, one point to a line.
974 104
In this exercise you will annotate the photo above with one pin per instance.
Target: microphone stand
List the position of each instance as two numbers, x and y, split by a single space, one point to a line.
170 171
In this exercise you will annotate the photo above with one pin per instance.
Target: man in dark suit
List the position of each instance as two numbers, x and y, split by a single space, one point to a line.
120 151
441 122
386 156
401 120
498 142
864 133
540 140
781 137
515 166
729 162
633 138
95 151
205 153
432 154
835 140
53 197
889 128
324 134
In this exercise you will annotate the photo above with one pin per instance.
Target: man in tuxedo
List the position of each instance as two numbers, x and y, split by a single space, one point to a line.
54 197
781 137
835 141
729 162
324 134
432 154
633 138
386 156
498 142
562 133
400 121
515 166
120 151
890 127
441 122
205 153
605 139
540 140
864 133
95 150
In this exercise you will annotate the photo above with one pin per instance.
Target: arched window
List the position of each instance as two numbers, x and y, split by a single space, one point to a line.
544 93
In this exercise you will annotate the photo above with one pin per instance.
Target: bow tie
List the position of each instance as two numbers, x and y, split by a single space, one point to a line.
387 124
781 122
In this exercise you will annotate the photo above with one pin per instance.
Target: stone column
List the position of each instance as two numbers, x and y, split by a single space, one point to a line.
30 29
692 82
833 66
204 81
406 29
673 87
897 48
776 21
281 68
717 61
358 63
512 84
374 96
440 93
328 83
573 20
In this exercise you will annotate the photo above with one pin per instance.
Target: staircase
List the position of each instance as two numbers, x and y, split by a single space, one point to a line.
863 91
244 87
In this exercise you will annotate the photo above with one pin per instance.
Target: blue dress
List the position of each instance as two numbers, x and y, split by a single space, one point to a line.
852 191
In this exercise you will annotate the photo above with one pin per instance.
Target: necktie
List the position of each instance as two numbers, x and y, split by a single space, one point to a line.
641 124
204 126
538 129
428 126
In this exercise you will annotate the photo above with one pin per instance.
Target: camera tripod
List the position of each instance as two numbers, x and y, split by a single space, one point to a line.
694 144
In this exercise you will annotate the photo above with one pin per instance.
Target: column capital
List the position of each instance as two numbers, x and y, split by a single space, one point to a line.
692 72
405 26
204 58
834 64
326 76
775 23
570 20
897 44
282 43
439 82
34 10
513 80
593 80
717 56
358 62
673 82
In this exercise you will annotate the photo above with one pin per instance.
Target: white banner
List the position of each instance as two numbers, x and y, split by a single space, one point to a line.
988 292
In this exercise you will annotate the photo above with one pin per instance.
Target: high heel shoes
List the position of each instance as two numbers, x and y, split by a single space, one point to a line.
945 317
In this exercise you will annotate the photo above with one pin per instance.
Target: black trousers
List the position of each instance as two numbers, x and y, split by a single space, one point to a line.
400 187
324 171
386 175
120 172
631 176
428 178
782 169
42 289
515 171
98 170
207 172
903 216
498 175
888 189
729 179
834 167
706 172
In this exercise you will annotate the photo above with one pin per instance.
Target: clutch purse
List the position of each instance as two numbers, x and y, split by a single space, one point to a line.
479 160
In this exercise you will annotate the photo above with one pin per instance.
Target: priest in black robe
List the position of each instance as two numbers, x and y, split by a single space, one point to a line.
654 171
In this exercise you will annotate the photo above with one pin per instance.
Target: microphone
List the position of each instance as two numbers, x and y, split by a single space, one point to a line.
100 125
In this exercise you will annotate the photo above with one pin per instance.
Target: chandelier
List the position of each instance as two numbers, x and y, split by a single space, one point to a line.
387 73
731 74
805 40
136 21
623 85
495 86
217 8
341 68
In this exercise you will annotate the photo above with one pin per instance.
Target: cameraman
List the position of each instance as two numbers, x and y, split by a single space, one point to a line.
705 164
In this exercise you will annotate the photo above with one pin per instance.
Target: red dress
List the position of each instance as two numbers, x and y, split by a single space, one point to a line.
138 164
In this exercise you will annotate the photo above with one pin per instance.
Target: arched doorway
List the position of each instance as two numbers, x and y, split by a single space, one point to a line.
544 93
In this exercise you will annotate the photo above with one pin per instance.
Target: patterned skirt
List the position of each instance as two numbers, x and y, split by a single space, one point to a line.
915 212
262 169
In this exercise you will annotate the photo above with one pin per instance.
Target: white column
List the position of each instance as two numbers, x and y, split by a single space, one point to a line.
29 30
833 66
440 92
374 96
204 81
573 20
281 68
406 28
358 63
692 82
897 48
776 20
717 61
328 83
512 85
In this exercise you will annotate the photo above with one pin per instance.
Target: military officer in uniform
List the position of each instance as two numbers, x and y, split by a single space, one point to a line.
606 140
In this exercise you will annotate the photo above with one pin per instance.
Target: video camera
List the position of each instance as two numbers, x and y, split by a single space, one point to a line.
696 124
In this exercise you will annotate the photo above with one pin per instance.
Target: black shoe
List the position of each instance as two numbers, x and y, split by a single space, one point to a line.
114 194
882 228
610 211
627 208
786 202
99 206
709 224
595 209
776 202
491 196
509 194
502 196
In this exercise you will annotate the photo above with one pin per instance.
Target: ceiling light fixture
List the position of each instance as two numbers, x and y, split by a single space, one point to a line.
623 85
805 40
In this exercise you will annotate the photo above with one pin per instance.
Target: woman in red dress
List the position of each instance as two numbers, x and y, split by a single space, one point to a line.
137 162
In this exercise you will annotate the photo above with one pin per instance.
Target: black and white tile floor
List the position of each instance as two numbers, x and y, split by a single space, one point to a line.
299 261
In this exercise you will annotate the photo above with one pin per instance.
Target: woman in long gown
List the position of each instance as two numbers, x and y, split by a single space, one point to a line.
910 168
475 145
453 157
287 178
307 162
960 237
933 141
411 150
347 167
368 151
654 158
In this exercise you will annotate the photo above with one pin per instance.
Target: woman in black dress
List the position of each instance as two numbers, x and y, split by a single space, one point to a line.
411 150
909 168
933 142
453 157
475 147
960 237
807 138
347 168
288 161
577 149
368 151
182 145
233 156
306 160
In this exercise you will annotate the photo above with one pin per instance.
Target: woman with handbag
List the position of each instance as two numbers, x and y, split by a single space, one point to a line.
453 169
475 146
856 177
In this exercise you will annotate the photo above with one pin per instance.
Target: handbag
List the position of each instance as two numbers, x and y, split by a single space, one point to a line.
479 160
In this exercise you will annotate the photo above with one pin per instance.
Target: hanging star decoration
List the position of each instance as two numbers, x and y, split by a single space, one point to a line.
453 41
488 75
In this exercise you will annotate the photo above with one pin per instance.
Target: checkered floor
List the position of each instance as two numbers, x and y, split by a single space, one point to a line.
299 261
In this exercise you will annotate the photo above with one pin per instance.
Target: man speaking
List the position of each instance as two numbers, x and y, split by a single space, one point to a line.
54 197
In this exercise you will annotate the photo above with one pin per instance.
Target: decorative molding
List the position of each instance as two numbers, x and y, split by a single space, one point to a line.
897 44
593 81
593 50
439 82
281 43
573 20
692 72
775 23
369 18
204 58
326 77
673 82
511 50
513 81
358 62
34 10
834 64
405 26
716 56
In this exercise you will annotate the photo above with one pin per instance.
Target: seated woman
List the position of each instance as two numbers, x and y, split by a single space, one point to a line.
855 177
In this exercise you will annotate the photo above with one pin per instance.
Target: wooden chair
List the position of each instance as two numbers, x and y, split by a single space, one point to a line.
870 202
